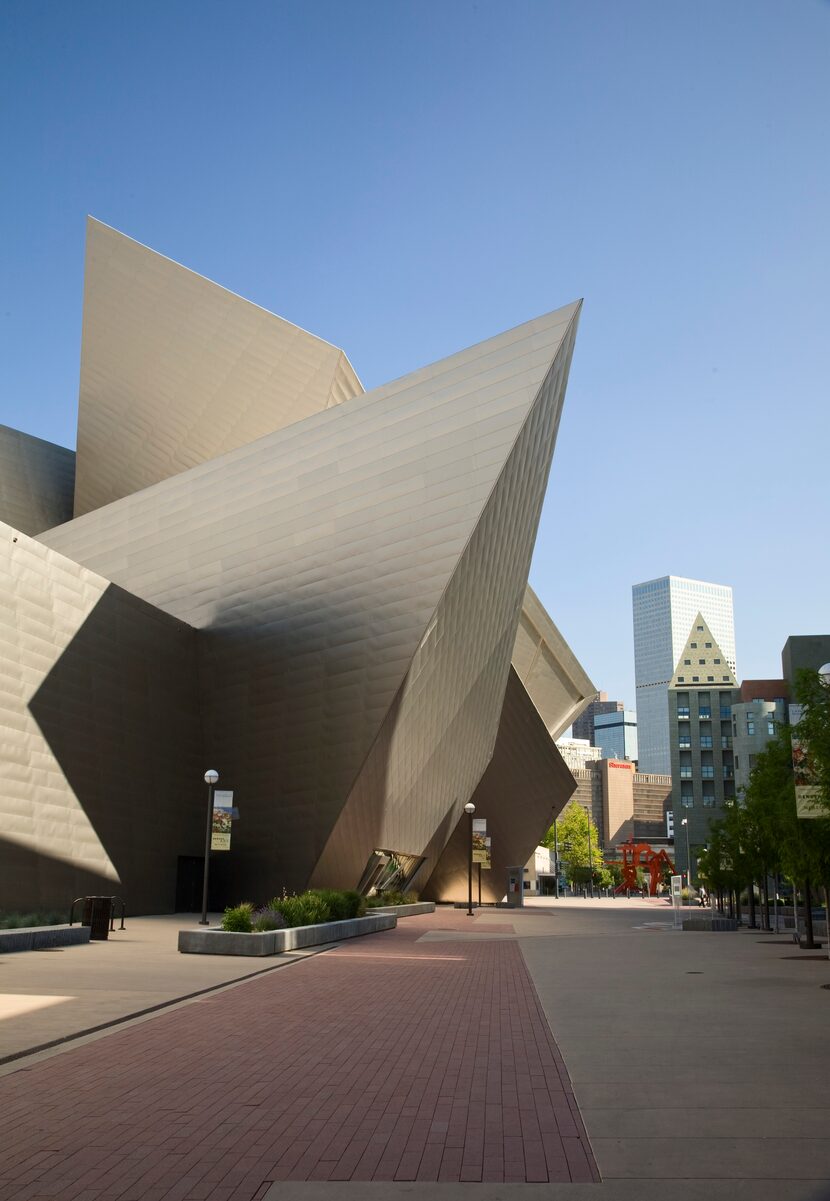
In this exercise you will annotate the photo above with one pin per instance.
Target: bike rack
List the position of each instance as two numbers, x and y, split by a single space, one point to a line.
115 900
112 914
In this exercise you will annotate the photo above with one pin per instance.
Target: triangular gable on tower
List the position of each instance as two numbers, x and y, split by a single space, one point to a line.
702 662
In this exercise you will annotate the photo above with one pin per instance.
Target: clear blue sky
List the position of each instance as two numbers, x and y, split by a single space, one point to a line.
407 178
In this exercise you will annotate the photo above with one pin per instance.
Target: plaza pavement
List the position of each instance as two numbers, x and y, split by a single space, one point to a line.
418 1063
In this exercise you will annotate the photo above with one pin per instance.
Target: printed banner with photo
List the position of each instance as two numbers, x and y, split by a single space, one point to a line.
807 787
220 835
481 843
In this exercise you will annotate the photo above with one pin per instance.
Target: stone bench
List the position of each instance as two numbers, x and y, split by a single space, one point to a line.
274 942
37 938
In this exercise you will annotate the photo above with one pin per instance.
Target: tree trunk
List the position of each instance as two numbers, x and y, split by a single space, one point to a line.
753 925
738 904
765 911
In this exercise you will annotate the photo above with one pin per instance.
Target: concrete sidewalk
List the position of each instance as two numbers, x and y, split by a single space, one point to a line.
49 996
699 1063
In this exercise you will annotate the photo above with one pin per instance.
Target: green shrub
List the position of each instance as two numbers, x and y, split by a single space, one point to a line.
307 909
341 905
357 902
238 918
19 921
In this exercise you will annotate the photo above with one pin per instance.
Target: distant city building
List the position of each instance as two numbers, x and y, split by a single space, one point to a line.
754 723
701 694
577 752
801 651
583 727
664 609
623 803
616 735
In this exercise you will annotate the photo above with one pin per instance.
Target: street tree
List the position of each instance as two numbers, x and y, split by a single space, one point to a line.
572 830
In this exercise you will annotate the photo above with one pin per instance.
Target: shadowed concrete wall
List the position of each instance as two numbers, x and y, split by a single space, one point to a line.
37 481
101 765
525 786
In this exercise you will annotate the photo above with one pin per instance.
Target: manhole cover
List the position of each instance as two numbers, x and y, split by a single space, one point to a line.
694 973
825 986
41 950
823 958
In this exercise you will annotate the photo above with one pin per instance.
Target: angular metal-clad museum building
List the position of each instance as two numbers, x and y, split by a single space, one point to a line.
252 564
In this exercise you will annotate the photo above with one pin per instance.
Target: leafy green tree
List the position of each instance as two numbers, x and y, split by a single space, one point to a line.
572 830
762 834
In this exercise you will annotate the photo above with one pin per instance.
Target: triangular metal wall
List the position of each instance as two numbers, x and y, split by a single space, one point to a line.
314 559
176 370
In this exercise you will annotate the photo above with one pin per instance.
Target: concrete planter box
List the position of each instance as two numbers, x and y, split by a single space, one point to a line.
221 942
406 910
35 938
709 923
225 942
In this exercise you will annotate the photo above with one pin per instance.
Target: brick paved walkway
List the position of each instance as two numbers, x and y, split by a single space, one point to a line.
386 1059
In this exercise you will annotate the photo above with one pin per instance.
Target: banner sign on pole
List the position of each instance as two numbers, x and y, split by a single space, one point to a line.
807 787
220 835
481 851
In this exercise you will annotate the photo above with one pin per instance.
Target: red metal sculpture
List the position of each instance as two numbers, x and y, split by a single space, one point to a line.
640 854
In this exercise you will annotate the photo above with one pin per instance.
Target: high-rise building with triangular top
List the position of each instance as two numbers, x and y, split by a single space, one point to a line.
664 609
701 693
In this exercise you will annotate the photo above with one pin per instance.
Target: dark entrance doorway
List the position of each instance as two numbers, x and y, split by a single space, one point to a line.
189 873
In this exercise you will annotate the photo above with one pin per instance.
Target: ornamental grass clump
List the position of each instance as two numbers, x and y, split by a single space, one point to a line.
307 909
267 918
238 919
342 906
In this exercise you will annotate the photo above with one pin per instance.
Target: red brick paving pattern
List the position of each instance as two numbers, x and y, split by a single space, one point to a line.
386 1059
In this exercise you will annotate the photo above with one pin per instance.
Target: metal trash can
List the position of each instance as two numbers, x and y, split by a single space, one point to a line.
97 915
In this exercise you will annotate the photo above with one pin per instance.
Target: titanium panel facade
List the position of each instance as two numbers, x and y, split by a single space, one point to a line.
100 756
548 668
315 590
176 370
314 561
37 481
439 736
526 785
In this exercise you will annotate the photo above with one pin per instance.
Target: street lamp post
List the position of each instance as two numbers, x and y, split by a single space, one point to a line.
470 809
555 861
590 854
211 777
685 822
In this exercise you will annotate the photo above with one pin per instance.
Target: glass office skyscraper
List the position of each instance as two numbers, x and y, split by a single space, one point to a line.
664 610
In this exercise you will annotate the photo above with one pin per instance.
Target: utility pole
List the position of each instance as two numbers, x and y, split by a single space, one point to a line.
590 854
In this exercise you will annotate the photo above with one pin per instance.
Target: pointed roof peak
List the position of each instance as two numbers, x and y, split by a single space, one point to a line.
702 662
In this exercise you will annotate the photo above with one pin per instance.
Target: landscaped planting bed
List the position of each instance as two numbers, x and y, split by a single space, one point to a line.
38 938
287 923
